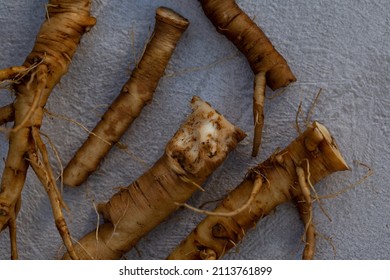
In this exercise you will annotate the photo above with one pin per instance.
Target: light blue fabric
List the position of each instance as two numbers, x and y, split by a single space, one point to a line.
342 47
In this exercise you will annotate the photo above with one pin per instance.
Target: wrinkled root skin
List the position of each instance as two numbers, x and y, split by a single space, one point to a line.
200 145
53 50
134 96
215 235
268 65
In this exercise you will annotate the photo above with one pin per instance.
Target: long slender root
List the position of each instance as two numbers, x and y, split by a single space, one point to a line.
313 190
51 185
57 155
135 94
45 174
305 207
258 111
12 232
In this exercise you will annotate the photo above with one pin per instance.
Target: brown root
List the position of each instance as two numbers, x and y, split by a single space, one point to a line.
220 234
135 94
305 207
13 232
45 174
32 84
7 114
269 67
258 111
12 73
41 76
200 145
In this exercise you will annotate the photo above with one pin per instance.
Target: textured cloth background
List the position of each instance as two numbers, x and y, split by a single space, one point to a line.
342 47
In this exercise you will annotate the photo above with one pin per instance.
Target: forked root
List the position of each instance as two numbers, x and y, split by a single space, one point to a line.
45 174
267 64
32 84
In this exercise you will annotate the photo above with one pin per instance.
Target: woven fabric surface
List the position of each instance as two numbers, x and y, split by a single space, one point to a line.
341 47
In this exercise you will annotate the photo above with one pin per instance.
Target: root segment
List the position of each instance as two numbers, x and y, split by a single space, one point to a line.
239 28
305 208
32 84
134 211
258 111
12 231
12 72
281 189
135 94
7 114
45 174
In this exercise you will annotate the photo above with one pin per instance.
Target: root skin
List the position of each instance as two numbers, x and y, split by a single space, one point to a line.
280 184
136 93
200 145
54 47
258 111
304 204
263 58
7 114
11 72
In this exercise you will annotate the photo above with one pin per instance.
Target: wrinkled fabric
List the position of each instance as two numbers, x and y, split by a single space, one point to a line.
342 48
